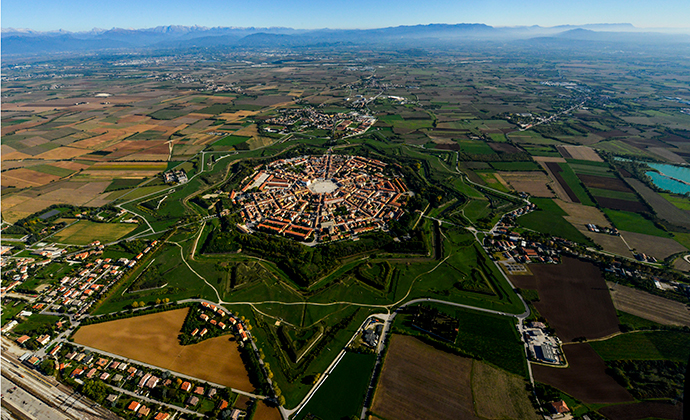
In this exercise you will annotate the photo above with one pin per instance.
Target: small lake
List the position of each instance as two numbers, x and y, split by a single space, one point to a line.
671 177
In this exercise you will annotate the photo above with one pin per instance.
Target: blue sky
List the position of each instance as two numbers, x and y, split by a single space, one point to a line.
80 15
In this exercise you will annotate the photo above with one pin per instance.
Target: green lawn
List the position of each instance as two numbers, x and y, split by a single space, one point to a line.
35 322
476 209
347 383
633 222
652 345
9 311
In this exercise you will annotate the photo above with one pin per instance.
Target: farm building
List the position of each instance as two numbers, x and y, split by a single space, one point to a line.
545 353
559 407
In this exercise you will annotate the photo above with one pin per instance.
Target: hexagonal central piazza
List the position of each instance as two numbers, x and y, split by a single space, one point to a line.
322 186
320 198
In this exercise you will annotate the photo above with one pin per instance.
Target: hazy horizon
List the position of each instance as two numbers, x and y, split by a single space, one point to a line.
46 16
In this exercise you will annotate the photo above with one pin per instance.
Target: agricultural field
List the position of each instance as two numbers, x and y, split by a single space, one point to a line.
85 231
659 248
456 114
442 385
537 184
679 201
633 222
586 312
579 152
662 207
216 359
646 345
585 378
500 395
349 380
550 218
648 306
643 410
580 215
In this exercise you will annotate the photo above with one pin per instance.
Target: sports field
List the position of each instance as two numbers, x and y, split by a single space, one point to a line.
85 231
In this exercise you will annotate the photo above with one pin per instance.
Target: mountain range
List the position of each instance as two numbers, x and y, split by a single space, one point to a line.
29 42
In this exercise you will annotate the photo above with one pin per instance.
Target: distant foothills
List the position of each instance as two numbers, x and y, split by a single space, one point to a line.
27 41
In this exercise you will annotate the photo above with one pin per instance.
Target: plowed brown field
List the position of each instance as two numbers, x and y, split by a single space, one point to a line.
153 339
648 306
585 378
420 382
644 410
573 298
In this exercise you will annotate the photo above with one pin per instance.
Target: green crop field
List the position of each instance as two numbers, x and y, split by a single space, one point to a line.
648 345
635 322
633 222
619 195
84 232
588 163
349 382
515 166
216 109
231 140
619 147
498 137
549 219
548 151
530 137
120 184
574 183
679 201
475 147
52 170
582 169
168 114
488 337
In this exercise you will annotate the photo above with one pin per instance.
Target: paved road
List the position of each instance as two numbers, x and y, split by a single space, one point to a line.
152 401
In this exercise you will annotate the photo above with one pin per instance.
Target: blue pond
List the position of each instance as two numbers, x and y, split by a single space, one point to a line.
670 177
